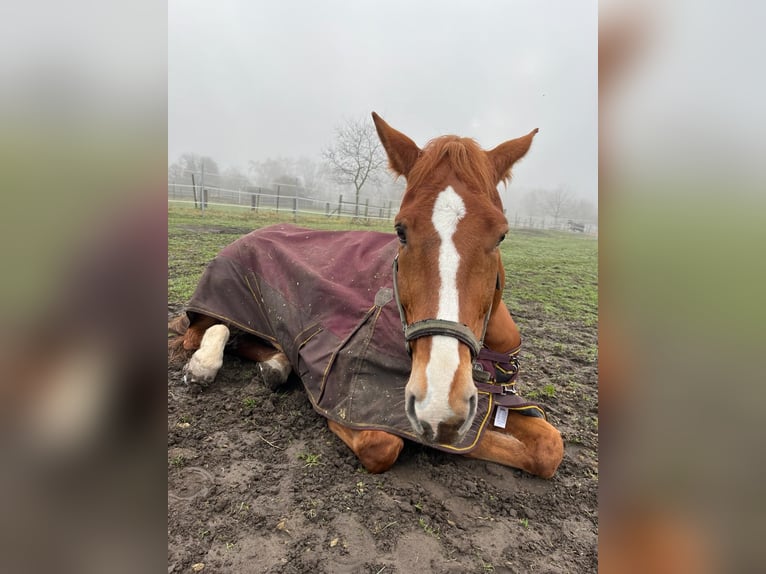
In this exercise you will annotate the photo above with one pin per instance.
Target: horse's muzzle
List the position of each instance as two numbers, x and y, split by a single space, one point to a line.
447 430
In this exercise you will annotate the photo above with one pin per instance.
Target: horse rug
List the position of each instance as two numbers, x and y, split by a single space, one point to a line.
325 298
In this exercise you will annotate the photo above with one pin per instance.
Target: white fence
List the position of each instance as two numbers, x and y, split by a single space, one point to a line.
283 199
278 200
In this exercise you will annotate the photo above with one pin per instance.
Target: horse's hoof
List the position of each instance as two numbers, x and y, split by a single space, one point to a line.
195 374
201 369
273 374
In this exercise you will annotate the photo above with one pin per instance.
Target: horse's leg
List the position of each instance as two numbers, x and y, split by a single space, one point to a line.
192 335
273 364
208 358
528 443
376 450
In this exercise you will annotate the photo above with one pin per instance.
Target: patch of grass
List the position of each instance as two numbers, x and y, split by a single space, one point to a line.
524 522
485 566
549 390
552 273
178 461
310 459
428 529
249 402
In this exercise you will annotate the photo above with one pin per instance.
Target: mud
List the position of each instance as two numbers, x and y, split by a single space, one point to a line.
258 483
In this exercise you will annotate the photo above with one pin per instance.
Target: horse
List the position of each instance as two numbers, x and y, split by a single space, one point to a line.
394 337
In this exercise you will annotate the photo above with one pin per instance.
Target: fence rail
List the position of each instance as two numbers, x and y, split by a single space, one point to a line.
265 200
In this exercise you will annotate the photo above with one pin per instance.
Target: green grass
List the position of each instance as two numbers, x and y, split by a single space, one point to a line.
549 275
310 459
552 275
191 244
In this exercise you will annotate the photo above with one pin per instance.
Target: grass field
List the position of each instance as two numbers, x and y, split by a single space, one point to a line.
549 274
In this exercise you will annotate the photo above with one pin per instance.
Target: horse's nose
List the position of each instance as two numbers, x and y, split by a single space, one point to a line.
443 425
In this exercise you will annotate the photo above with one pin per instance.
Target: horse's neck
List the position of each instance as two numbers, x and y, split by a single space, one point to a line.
502 333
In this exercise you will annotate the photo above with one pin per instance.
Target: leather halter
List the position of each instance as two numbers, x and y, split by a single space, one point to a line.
431 327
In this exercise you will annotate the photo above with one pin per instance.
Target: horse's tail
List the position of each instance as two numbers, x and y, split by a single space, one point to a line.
177 327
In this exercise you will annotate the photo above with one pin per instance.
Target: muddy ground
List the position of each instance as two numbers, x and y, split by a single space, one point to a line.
258 483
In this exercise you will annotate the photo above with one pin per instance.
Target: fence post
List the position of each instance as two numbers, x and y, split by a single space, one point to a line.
277 199
327 210
366 207
389 209
340 205
194 191
202 187
295 208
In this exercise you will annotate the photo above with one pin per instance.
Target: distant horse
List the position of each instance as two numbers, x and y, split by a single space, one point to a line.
393 337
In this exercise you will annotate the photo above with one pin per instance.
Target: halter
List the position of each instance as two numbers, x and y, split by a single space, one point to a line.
430 327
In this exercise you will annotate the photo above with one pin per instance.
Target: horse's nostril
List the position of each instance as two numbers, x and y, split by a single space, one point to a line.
428 432
410 410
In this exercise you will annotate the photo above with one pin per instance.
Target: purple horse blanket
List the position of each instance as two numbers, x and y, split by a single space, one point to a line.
325 298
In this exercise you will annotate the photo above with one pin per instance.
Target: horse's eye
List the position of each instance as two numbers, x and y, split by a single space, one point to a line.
401 234
502 238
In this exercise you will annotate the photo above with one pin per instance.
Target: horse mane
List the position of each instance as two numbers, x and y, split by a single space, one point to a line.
467 160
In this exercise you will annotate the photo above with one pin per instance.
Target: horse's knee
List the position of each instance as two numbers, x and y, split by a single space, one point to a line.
193 331
378 450
549 452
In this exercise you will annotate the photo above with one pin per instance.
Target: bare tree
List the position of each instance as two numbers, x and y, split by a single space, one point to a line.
553 202
556 202
357 157
193 162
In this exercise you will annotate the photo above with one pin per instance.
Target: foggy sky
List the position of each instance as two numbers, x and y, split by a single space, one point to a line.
248 80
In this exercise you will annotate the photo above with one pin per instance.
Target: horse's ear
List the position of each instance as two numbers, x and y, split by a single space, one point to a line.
402 151
506 154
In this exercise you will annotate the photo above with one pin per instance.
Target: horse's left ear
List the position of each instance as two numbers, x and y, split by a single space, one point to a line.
402 151
506 154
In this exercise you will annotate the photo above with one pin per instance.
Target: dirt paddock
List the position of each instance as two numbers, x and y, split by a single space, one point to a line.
258 483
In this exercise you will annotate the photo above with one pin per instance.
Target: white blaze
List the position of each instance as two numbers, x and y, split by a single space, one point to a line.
449 209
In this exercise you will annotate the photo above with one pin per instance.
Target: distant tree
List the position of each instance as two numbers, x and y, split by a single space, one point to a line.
583 210
193 162
274 171
175 172
356 158
234 178
555 203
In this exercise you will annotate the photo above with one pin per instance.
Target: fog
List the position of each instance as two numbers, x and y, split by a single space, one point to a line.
248 81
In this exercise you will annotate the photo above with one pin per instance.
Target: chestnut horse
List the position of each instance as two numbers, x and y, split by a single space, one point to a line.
448 281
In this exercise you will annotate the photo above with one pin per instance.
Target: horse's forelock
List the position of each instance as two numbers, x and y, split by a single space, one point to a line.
463 156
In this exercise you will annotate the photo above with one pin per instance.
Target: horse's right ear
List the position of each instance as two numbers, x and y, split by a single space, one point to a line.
402 151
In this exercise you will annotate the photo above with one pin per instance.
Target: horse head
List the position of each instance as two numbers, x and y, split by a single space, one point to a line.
448 273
